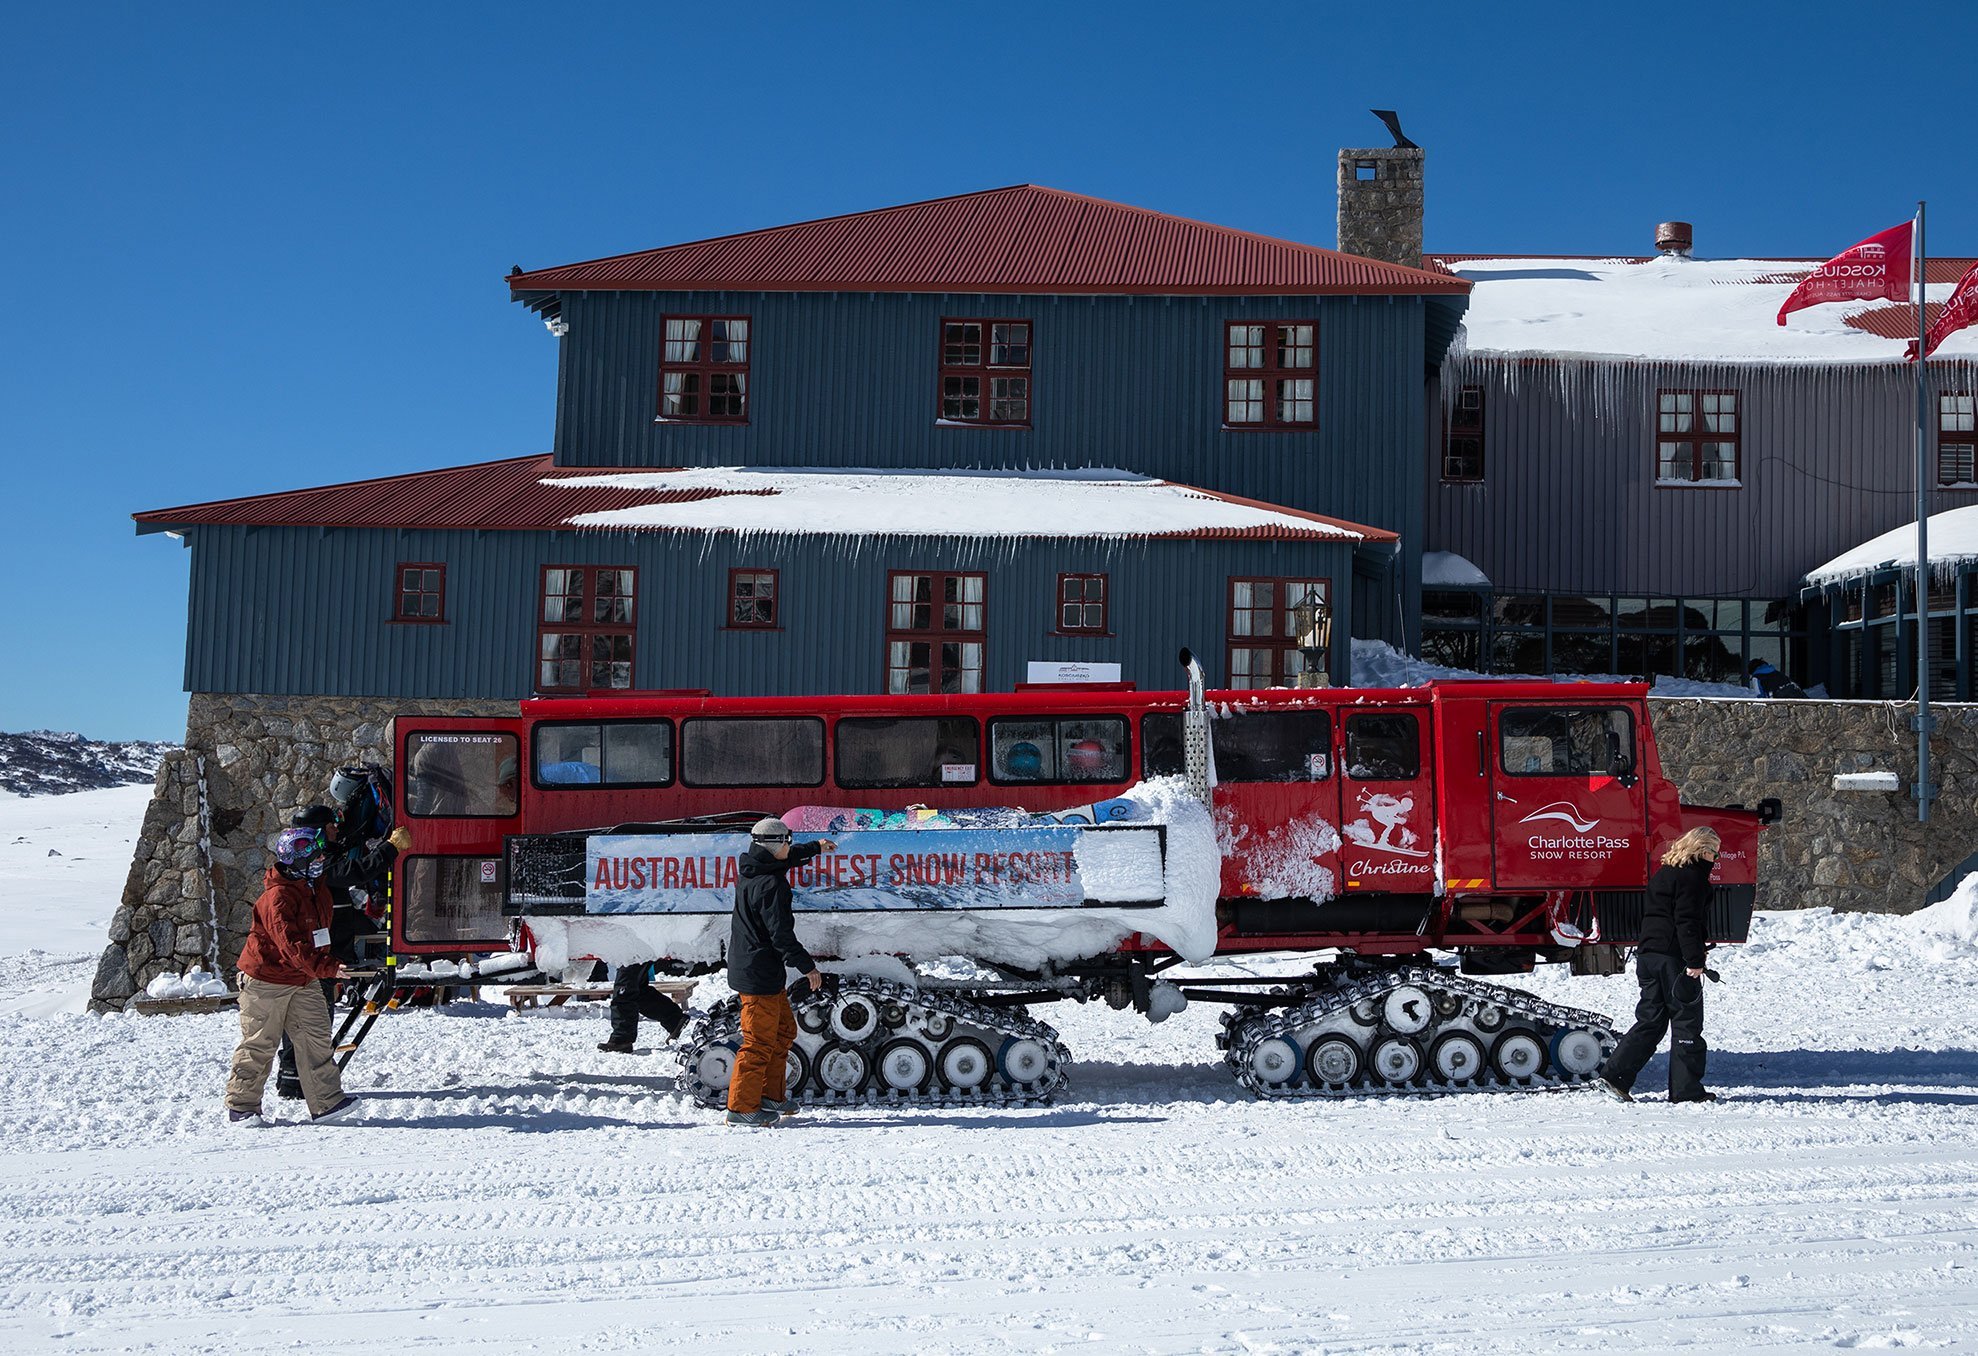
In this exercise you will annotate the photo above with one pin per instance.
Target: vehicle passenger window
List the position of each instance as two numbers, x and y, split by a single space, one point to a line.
745 751
1383 747
461 775
1272 746
1548 741
1058 750
932 751
1162 753
617 753
449 899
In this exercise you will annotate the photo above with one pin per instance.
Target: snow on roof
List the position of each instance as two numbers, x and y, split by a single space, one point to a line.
1671 308
1447 570
1086 502
1953 540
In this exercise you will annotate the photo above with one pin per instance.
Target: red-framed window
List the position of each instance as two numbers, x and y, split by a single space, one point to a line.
1271 374
1082 604
1697 436
1957 439
986 373
1280 632
421 594
752 596
1463 446
704 369
585 628
935 630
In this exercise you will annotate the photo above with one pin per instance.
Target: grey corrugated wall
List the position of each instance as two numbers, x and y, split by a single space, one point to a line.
1569 503
303 610
1129 382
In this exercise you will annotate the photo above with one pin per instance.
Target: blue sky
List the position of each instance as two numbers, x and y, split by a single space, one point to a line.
258 248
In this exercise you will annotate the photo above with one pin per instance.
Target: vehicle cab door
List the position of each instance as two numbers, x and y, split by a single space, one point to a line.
1387 800
458 781
1569 809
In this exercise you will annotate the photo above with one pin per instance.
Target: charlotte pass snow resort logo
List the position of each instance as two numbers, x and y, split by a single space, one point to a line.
1565 812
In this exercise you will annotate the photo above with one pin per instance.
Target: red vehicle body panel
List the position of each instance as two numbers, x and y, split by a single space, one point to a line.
1459 850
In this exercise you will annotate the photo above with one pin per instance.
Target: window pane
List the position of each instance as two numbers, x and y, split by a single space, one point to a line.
1567 741
461 774
568 755
1022 751
764 751
961 344
1272 746
1092 749
1383 747
447 899
638 753
932 751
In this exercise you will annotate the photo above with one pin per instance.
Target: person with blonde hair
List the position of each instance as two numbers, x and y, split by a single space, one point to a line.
1669 966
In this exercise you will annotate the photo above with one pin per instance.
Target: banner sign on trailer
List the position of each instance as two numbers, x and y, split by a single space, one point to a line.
1049 867
1877 268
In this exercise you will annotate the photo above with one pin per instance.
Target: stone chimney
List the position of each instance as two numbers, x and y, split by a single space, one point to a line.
1380 201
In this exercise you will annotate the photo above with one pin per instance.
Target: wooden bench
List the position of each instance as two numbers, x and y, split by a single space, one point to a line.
522 996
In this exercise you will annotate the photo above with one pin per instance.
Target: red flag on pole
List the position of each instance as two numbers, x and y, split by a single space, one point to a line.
1959 311
1877 268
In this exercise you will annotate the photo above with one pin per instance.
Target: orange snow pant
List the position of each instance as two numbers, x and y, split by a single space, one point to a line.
769 1029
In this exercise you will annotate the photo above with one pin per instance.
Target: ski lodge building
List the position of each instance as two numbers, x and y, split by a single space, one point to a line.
915 449
1641 472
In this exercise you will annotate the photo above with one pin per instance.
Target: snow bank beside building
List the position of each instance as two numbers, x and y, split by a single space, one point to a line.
1378 664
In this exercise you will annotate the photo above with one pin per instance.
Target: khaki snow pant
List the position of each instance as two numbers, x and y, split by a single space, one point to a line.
769 1029
267 1013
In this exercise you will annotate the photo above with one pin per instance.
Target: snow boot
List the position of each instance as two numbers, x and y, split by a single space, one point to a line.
288 1087
343 1108
245 1120
755 1119
617 1047
780 1108
1705 1096
1614 1090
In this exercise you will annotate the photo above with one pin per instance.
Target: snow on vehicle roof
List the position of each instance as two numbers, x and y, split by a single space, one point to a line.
1671 308
1953 540
1085 502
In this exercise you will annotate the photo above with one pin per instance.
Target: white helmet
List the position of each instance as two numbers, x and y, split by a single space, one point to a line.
770 831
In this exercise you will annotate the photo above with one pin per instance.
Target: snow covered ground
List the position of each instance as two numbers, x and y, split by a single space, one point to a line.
510 1188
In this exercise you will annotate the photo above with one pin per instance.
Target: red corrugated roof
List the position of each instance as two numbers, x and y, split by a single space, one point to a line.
511 495
494 494
1019 239
1892 319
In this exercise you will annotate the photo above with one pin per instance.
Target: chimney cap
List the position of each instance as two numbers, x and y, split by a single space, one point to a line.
1674 237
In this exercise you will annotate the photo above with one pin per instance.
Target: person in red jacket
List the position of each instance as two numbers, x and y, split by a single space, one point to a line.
287 952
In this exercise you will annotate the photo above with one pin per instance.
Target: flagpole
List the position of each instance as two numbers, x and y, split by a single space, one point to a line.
1924 791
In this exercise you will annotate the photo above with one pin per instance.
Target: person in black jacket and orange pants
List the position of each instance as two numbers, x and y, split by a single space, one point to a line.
1669 965
763 941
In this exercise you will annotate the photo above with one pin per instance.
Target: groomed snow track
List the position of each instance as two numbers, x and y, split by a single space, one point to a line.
1415 1029
875 1042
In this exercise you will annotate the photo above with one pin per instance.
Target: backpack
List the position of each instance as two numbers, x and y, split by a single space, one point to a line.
368 814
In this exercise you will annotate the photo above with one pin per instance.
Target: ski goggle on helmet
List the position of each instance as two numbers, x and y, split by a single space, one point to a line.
301 853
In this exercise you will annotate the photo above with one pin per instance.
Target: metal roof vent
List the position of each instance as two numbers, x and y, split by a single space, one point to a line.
1673 237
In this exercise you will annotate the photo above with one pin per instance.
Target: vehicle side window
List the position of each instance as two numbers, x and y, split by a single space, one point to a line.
461 774
1162 753
1383 747
450 899
921 751
610 753
1255 746
1566 741
752 751
1059 750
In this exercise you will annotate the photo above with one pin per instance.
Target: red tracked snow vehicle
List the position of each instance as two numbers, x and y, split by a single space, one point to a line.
1498 825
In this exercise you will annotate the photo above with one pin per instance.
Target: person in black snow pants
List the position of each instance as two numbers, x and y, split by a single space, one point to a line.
633 997
1669 965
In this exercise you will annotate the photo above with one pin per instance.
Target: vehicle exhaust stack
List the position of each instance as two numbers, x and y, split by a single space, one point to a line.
1200 764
